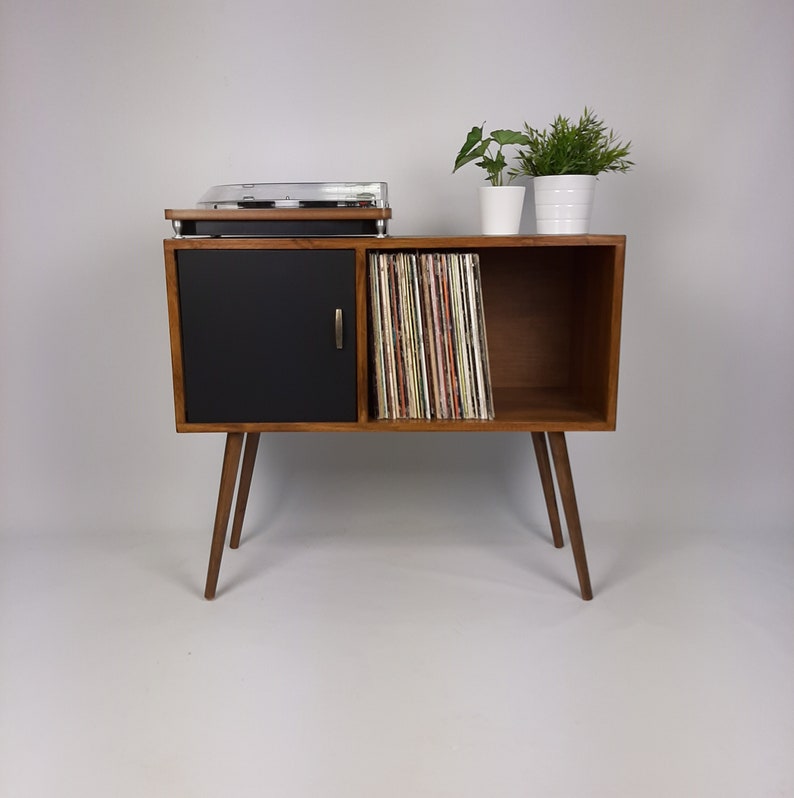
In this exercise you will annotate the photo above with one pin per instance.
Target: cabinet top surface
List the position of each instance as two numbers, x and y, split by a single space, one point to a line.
399 242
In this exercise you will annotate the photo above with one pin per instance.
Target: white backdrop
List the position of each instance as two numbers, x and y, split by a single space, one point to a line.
110 112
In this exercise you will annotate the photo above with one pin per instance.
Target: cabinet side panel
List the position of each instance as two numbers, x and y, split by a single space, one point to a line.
175 335
597 294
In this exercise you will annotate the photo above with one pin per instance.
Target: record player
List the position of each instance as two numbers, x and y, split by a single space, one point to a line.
293 210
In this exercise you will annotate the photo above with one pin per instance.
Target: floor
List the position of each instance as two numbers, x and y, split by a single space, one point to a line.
435 648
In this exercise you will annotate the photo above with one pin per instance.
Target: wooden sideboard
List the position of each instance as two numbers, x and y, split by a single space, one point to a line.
273 334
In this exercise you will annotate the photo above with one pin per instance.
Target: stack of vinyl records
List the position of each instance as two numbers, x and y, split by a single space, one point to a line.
430 351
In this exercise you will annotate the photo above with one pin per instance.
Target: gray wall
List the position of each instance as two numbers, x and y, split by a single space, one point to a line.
111 112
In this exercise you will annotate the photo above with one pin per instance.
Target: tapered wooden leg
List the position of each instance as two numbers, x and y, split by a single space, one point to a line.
246 473
562 467
231 461
546 480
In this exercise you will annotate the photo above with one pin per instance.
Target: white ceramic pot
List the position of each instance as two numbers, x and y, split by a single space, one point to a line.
563 203
500 209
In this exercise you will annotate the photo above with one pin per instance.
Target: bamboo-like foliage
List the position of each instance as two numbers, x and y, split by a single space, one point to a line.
584 148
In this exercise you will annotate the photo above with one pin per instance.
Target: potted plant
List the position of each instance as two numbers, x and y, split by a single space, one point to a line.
500 204
564 161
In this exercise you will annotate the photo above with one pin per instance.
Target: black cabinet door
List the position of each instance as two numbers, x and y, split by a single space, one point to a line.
259 335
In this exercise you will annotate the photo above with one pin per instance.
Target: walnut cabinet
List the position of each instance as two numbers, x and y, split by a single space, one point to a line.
271 334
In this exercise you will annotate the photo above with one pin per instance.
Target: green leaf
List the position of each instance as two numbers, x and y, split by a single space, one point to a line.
502 137
465 157
472 140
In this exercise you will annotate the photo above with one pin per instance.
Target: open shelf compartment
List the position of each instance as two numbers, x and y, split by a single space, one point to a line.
552 315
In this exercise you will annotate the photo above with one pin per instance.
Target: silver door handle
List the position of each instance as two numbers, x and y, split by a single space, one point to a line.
339 329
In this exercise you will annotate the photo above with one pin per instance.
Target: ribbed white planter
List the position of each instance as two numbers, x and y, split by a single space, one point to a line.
500 209
563 203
